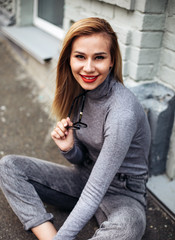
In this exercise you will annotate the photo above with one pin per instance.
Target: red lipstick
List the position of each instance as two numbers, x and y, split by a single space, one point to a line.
89 79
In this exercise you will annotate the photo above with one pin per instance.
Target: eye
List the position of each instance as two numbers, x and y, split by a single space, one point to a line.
79 56
99 57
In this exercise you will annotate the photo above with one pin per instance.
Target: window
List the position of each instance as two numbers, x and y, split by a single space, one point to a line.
48 15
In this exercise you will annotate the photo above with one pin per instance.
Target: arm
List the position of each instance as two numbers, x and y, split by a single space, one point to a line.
118 135
75 155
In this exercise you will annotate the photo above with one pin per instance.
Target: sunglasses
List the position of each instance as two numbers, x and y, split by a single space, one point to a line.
78 125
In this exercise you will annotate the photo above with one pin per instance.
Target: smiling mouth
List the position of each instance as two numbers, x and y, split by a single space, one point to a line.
89 79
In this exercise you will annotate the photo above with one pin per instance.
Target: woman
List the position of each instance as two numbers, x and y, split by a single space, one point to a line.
106 137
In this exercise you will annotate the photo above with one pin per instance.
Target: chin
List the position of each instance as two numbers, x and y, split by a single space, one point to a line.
88 86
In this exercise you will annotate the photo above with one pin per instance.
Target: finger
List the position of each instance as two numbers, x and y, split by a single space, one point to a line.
64 122
55 135
60 125
60 132
69 121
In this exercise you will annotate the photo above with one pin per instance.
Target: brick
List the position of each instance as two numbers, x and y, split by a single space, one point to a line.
167 75
153 22
96 7
151 6
147 39
125 18
107 11
75 2
168 58
125 51
65 24
124 34
141 72
71 14
85 4
171 8
125 68
127 4
170 24
169 40
144 56
140 5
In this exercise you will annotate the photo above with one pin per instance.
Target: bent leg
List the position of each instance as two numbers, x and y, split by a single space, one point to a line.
125 219
23 179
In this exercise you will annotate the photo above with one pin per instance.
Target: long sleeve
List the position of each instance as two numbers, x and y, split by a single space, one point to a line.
118 135
76 154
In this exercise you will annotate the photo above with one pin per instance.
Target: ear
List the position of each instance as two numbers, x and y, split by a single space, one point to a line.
111 65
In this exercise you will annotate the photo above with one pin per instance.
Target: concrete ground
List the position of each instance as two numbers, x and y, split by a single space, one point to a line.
24 128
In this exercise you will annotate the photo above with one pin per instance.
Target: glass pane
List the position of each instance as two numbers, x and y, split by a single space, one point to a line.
51 11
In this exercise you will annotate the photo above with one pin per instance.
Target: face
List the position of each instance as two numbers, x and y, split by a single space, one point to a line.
90 60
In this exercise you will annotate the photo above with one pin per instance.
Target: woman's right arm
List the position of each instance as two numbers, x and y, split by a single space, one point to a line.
64 139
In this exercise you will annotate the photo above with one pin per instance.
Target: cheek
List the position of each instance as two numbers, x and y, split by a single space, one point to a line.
75 66
103 68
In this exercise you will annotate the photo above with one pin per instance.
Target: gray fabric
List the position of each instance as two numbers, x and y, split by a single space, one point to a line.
16 176
24 180
125 219
116 141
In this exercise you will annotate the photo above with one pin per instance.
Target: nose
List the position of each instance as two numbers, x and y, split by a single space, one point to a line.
89 66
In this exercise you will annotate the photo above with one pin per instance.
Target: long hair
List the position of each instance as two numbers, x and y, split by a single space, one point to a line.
67 88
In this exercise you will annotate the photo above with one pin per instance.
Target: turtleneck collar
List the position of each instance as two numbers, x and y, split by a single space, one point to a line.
103 89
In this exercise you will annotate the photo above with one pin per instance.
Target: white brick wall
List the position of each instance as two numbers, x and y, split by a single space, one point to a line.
128 4
166 71
151 6
147 39
138 31
168 58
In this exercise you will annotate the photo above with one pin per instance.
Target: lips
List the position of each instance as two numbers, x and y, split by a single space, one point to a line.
89 79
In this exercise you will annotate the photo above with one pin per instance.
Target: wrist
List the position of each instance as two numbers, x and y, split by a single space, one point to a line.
67 149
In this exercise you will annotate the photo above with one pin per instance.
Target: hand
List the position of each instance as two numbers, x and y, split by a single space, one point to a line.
62 136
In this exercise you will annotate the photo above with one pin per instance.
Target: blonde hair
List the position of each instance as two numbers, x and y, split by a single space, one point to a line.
67 88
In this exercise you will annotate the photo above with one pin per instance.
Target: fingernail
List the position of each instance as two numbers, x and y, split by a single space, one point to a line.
66 133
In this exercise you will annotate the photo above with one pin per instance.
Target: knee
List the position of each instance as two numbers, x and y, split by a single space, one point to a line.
133 225
6 164
130 224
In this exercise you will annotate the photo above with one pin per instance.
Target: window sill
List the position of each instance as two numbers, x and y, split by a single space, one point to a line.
41 45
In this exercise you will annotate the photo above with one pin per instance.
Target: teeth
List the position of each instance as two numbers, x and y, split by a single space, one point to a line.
89 77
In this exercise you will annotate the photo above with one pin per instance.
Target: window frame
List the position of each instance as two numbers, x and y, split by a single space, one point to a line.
45 25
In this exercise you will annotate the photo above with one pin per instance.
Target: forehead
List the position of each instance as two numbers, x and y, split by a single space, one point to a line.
96 42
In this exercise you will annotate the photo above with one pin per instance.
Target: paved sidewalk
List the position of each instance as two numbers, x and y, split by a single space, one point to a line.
24 127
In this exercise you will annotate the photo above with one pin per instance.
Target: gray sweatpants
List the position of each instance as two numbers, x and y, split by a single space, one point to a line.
26 182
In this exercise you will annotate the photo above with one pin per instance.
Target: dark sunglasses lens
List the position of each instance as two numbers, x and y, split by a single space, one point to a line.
79 125
82 125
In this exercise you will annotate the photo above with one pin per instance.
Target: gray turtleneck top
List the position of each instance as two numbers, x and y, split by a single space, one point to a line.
117 140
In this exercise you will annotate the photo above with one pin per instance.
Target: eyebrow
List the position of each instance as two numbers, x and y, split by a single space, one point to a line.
98 53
